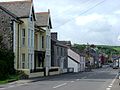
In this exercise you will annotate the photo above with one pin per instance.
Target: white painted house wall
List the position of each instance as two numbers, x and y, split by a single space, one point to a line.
73 63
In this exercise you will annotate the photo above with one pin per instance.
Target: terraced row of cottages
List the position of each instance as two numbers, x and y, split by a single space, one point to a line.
37 50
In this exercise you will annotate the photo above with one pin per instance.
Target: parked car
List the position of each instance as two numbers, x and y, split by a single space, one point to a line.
115 67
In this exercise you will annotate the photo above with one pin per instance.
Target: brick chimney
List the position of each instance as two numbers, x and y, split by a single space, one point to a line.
54 35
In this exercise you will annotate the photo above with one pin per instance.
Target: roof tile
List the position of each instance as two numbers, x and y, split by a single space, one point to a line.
19 8
42 18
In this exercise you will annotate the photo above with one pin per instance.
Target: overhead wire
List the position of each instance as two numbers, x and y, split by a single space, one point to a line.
82 12
85 2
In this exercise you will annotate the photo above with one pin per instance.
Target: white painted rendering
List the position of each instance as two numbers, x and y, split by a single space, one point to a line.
74 61
73 64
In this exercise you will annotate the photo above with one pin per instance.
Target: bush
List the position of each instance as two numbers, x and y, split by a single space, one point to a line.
6 60
6 63
3 70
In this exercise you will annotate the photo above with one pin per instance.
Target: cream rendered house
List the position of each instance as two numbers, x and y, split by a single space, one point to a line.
23 33
44 22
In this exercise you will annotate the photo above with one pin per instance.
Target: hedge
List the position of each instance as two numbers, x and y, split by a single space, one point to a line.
6 64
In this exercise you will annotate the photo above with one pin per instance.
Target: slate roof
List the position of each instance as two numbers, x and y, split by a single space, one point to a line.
11 14
19 8
43 19
68 43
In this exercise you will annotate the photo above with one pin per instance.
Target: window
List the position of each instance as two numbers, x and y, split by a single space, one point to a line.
29 38
42 41
32 38
31 18
31 61
49 43
61 52
57 50
23 37
23 61
29 56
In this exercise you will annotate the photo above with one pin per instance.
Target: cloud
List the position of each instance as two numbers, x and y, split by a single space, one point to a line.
99 25
117 12
84 20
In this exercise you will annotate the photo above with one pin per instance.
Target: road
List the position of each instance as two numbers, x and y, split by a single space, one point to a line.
97 79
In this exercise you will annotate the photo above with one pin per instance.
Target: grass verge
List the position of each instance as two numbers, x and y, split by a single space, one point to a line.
11 78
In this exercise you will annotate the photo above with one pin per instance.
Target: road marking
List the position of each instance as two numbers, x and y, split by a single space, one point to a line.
107 88
72 81
114 79
60 85
77 79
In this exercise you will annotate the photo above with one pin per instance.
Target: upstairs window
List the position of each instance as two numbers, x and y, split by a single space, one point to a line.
23 37
42 41
29 41
32 36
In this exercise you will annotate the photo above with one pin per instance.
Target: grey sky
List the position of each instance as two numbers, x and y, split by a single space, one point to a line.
84 21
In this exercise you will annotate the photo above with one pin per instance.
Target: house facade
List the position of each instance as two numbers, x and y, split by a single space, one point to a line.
43 22
59 54
28 41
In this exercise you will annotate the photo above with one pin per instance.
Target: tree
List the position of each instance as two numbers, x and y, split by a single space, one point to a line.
6 61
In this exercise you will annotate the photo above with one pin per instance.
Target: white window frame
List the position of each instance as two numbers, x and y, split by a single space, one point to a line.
31 61
23 37
29 39
32 38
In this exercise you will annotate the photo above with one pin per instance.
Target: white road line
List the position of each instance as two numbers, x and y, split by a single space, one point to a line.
60 85
72 81
77 79
107 88
114 79
110 86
